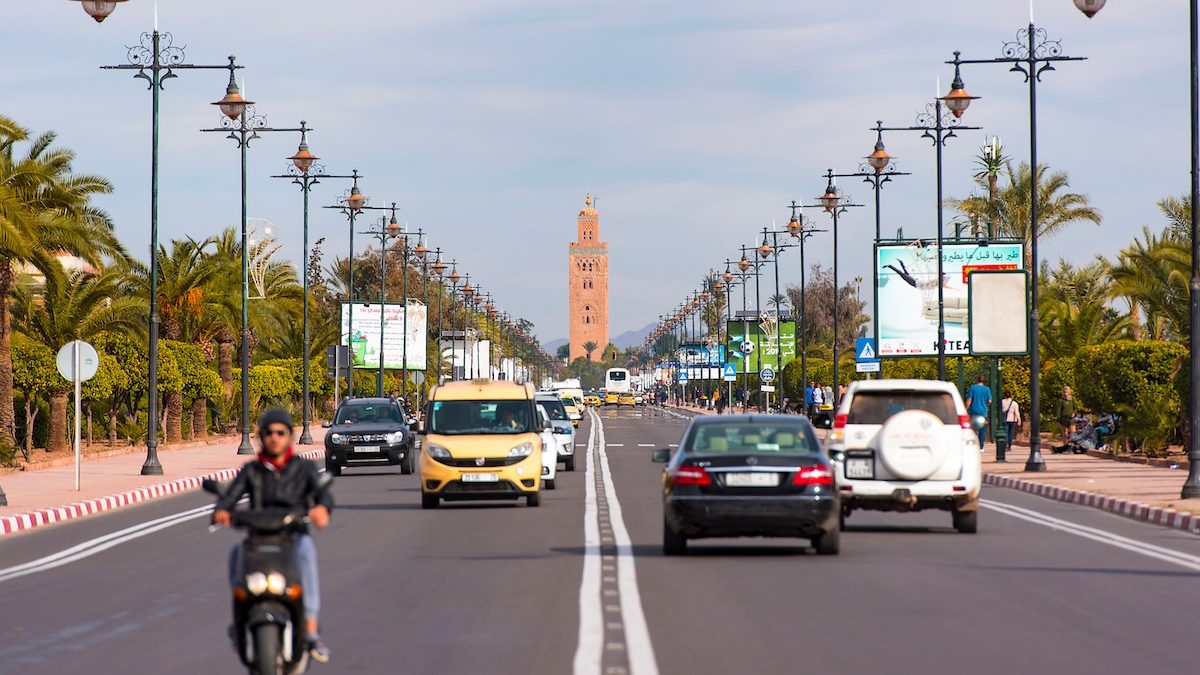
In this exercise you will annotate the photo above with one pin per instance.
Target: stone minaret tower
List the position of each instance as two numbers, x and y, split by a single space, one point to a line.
587 273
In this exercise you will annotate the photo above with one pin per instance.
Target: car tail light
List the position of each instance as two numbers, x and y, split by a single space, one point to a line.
813 475
690 475
964 421
839 422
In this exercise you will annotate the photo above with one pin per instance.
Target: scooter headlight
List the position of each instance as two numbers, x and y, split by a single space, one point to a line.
256 583
276 583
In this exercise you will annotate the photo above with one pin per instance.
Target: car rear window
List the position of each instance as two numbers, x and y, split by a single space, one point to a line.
554 408
875 407
757 437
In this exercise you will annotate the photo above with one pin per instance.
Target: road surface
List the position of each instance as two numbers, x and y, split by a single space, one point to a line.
579 585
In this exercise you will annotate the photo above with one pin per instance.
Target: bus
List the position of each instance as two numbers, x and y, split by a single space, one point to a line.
616 380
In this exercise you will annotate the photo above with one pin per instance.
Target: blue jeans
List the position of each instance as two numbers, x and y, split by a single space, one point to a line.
306 561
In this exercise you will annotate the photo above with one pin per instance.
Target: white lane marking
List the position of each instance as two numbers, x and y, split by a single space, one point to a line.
590 649
99 544
645 445
640 651
614 445
1186 560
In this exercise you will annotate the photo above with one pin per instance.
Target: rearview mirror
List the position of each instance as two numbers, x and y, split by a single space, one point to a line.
660 456
211 486
326 424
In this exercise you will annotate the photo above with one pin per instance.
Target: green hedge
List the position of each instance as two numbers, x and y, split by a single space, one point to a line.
1143 381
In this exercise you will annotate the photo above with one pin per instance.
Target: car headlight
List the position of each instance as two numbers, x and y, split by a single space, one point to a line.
395 437
336 439
276 583
256 583
522 450
437 452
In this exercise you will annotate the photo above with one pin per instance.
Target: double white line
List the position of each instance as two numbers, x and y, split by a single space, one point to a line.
1172 556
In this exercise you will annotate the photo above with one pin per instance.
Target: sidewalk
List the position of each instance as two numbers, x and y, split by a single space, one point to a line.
1137 491
45 496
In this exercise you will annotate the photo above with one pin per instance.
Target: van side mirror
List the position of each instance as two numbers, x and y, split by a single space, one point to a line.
661 456
326 424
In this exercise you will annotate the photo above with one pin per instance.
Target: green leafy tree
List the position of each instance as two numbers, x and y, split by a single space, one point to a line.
35 375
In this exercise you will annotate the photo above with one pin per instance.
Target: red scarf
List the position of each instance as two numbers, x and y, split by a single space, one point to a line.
278 464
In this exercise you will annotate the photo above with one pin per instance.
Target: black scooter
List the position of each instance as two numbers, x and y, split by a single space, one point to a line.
268 599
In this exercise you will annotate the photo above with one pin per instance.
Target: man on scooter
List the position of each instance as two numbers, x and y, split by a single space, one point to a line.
279 479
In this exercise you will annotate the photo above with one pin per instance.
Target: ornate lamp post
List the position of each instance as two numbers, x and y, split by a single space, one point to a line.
305 172
99 9
350 205
385 232
799 230
834 204
1032 54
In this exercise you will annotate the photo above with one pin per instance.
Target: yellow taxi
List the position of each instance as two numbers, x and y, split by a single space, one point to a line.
626 398
574 410
482 441
592 400
612 398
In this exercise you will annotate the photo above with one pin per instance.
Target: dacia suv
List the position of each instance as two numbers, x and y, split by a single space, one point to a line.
907 445
369 432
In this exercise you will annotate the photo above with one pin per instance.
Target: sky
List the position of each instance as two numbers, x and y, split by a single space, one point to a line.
693 122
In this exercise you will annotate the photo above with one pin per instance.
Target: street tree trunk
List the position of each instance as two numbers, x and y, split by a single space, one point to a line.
31 413
225 363
8 417
57 440
200 418
112 425
174 417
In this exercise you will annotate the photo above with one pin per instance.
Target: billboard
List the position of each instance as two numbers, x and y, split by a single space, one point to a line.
364 338
906 306
754 344
700 354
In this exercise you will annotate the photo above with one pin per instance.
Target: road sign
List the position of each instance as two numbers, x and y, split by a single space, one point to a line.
767 375
767 388
867 367
78 361
730 372
683 375
865 352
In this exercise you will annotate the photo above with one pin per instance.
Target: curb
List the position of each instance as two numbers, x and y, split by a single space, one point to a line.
90 507
1156 515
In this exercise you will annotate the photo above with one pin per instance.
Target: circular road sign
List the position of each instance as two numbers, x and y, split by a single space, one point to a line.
89 361
767 375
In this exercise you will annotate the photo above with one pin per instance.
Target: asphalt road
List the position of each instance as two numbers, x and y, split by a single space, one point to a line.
506 589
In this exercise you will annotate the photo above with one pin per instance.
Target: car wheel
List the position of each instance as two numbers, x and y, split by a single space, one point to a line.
333 468
828 543
534 499
429 501
406 464
966 522
569 463
842 515
550 483
673 542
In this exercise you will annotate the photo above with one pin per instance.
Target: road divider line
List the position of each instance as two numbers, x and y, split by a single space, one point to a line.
1172 556
589 651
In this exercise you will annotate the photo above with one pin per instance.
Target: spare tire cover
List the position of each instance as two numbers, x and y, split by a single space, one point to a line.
912 444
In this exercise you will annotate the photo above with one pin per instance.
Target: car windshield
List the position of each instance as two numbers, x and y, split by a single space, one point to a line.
356 413
757 437
480 417
875 407
554 408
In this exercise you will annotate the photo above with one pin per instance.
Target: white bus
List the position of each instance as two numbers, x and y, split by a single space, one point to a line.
616 380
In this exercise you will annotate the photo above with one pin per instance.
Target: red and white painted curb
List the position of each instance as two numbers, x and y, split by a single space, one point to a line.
90 507
1122 507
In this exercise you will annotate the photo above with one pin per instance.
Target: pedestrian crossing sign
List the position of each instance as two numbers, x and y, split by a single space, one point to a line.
865 352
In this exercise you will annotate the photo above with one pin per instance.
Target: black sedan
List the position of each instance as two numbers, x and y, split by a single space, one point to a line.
369 432
749 476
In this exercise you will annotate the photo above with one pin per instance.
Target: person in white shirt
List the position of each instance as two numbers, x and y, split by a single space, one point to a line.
1011 410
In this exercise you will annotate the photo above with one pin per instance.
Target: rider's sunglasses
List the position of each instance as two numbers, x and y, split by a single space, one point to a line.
274 432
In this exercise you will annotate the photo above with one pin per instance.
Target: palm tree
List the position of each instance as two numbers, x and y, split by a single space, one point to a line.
45 209
74 306
1153 273
1009 209
589 347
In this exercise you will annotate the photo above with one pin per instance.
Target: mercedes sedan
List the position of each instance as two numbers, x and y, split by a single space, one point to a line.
749 476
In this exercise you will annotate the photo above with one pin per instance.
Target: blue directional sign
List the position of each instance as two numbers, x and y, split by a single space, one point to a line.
682 375
729 373
865 351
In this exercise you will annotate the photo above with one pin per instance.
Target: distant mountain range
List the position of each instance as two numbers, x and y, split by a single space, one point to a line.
630 338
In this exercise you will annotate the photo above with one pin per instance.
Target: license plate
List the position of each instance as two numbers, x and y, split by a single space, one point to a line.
366 448
860 467
480 477
756 479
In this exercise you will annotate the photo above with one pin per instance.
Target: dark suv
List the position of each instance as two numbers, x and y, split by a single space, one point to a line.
369 432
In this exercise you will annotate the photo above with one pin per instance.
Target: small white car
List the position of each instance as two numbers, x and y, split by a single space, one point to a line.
549 450
907 445
564 432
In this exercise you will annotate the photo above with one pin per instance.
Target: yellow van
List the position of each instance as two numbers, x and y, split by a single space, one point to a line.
482 441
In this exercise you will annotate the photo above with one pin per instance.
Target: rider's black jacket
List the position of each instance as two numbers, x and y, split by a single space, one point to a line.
297 485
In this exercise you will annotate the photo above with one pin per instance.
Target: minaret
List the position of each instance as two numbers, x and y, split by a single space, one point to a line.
587 274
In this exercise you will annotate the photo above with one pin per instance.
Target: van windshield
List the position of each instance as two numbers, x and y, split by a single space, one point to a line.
875 407
480 417
554 408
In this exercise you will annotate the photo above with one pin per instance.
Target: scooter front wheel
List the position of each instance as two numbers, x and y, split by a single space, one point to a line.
267 640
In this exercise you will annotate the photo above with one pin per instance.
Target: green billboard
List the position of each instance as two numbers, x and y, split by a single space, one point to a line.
754 344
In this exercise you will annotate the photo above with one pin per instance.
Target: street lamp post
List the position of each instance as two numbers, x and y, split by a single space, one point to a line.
467 292
99 9
389 231
773 250
835 205
454 279
798 228
155 58
439 268
305 172
242 124
940 126
1032 54
350 206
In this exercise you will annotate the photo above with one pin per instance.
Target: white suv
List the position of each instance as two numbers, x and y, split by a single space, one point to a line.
907 445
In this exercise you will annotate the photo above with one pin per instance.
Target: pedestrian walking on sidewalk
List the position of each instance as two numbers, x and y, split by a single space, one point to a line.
1011 410
1065 413
808 400
818 398
979 402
